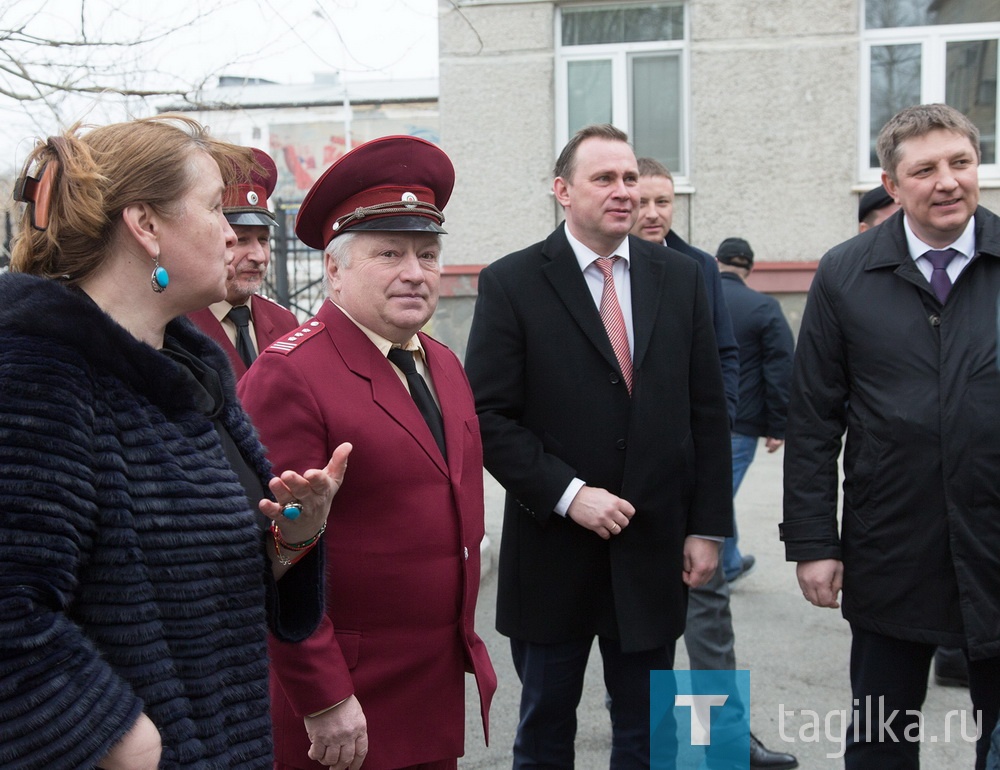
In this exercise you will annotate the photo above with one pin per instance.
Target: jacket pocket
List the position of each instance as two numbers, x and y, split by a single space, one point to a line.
861 480
350 646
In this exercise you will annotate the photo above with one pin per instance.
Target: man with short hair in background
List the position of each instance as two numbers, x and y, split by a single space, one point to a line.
708 633
654 224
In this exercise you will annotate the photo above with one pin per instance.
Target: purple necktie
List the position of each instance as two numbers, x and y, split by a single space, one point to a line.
940 282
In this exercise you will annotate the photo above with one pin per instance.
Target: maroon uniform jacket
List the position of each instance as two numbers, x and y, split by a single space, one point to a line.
270 321
402 543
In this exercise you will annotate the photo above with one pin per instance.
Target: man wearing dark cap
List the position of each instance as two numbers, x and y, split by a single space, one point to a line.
383 679
246 322
874 207
766 351
601 401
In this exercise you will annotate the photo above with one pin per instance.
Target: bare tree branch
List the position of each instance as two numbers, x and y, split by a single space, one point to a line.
35 66
66 61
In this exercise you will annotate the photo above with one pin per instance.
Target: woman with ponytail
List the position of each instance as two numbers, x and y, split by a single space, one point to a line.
145 546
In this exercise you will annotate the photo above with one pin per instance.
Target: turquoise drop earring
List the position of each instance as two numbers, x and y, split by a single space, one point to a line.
160 278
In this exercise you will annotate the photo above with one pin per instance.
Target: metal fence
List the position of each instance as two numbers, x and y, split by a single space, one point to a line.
295 278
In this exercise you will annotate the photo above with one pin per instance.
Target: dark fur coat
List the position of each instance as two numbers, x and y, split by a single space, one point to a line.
133 574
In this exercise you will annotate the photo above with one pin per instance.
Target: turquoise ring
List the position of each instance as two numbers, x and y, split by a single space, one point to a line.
292 510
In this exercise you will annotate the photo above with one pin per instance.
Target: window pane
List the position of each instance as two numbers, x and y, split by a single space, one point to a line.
895 84
589 89
971 88
655 22
656 109
882 14
590 26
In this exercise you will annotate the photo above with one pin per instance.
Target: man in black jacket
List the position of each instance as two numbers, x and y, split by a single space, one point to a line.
898 349
655 224
950 667
766 349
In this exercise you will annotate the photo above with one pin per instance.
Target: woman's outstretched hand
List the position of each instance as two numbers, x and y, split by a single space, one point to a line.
307 498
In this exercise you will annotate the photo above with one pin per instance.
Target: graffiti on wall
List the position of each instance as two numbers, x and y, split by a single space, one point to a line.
303 151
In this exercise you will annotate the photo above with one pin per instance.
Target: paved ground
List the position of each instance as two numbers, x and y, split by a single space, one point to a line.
797 655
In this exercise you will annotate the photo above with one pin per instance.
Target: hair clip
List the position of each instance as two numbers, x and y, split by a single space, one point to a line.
37 193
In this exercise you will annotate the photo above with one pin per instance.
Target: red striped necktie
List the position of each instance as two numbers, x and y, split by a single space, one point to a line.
614 321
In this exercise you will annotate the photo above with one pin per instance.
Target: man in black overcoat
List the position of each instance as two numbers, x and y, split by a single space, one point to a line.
611 439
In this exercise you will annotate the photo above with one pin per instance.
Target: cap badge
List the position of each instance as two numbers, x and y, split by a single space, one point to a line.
409 199
252 198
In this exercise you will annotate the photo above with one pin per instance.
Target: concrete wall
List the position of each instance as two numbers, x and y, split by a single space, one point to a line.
773 121
496 87
496 81
773 128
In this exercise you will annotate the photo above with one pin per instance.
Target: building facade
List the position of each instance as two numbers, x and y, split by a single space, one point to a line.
766 112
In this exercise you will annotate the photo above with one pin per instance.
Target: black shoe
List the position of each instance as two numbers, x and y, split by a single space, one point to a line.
749 562
761 756
951 669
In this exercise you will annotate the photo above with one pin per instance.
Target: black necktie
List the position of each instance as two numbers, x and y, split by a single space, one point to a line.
244 345
421 394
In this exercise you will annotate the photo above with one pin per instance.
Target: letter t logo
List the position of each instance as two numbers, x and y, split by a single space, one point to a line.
701 715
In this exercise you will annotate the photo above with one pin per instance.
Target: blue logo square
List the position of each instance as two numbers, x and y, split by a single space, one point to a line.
699 719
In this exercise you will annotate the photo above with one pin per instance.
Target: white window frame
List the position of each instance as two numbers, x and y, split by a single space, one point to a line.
933 42
618 54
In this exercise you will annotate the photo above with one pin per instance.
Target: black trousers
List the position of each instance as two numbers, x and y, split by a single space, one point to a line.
551 686
890 675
